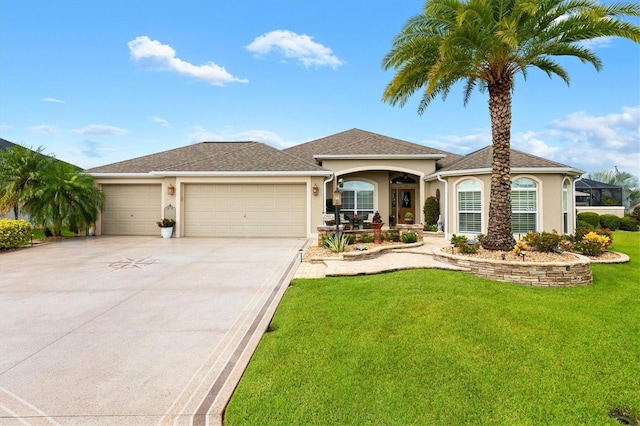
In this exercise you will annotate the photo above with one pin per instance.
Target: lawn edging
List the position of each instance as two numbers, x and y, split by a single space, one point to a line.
535 274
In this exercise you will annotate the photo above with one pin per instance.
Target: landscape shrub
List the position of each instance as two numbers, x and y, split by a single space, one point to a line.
582 229
462 244
335 243
520 246
610 221
459 240
14 233
391 235
367 237
431 210
628 224
591 218
592 244
546 242
635 214
409 237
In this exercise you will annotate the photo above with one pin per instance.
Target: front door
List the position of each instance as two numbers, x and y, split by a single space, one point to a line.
406 203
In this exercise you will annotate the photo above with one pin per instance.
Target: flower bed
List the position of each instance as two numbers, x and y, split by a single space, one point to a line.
568 271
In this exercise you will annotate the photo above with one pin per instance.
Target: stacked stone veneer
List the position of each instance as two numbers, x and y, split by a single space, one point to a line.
536 274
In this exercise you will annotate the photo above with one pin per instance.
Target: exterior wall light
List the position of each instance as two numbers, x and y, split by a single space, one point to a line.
170 189
315 189
337 198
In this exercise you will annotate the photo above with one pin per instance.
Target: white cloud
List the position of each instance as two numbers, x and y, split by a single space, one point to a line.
44 129
54 100
461 144
163 57
299 47
200 134
101 129
160 121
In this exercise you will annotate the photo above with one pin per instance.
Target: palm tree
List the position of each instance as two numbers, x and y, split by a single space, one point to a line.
485 44
21 172
629 183
68 197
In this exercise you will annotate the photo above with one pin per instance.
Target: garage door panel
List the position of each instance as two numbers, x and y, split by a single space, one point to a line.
250 210
131 209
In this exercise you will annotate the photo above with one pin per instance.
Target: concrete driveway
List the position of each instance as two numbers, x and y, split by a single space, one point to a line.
134 330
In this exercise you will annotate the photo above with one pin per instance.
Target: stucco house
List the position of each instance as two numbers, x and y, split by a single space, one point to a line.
250 189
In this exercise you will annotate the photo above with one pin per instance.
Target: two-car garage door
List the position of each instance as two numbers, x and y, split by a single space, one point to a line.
245 210
210 210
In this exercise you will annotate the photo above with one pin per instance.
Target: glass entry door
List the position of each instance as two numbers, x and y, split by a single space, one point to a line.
406 203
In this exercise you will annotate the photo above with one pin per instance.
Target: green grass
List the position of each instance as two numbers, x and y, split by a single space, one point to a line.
437 347
38 234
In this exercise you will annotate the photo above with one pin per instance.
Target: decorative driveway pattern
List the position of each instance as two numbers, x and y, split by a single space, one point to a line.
134 330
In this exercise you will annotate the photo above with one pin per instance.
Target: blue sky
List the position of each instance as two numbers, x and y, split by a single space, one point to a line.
95 82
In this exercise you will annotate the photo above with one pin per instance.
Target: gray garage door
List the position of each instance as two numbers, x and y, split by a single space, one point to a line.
245 210
131 209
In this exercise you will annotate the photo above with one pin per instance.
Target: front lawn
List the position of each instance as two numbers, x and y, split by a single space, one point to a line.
438 347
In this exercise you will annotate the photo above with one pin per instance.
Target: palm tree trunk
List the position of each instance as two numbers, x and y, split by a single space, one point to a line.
499 234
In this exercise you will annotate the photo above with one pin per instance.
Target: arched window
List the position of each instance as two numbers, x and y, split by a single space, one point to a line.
524 206
469 206
357 197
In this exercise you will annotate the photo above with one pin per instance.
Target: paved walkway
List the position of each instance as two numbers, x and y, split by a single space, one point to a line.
410 258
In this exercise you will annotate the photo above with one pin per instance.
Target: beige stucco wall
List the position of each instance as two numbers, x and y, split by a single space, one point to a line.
550 214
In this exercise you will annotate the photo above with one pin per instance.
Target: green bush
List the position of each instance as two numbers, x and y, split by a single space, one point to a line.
392 235
610 221
14 233
628 224
582 229
591 218
409 237
336 244
431 210
366 237
546 242
458 240
635 214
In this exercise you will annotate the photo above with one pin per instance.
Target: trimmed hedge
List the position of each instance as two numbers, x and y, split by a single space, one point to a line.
591 218
14 233
628 224
610 221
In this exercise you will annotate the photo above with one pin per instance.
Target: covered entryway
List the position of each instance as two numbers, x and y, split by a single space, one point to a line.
245 210
131 209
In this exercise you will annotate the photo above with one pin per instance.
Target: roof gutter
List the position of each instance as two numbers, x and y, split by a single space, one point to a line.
154 174
487 170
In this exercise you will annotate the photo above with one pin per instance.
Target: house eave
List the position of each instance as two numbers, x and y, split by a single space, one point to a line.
380 157
155 174
519 170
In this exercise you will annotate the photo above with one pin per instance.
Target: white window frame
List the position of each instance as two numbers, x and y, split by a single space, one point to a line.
353 186
531 209
469 186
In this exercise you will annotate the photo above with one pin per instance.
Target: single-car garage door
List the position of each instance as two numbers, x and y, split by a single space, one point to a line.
245 210
131 209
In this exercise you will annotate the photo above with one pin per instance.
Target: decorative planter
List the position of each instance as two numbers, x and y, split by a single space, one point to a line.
408 220
377 239
166 232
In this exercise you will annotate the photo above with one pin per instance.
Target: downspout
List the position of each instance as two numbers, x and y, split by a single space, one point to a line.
573 203
324 193
446 205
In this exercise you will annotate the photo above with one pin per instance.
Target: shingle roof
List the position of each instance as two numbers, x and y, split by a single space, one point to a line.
482 159
4 144
212 156
359 142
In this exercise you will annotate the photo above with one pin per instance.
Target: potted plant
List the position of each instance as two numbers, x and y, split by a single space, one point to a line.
408 218
166 227
376 224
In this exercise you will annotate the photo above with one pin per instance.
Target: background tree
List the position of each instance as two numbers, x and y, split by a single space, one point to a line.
67 198
484 44
21 172
629 183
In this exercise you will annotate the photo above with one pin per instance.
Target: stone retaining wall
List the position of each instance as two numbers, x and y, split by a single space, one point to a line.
536 274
